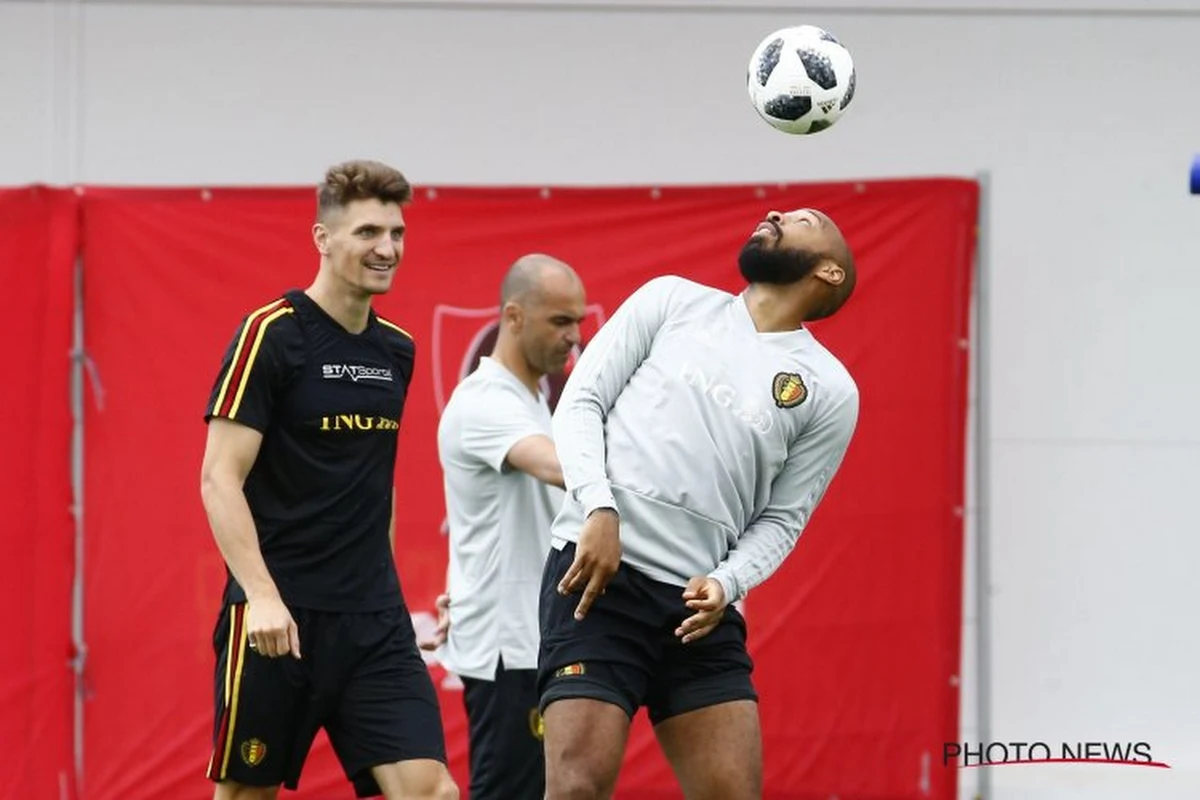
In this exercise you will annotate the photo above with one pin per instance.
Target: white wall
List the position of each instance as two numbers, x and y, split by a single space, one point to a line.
1085 122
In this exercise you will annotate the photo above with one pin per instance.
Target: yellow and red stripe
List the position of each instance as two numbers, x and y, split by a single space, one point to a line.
394 327
229 399
235 662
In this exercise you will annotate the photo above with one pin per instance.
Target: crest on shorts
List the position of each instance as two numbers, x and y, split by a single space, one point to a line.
788 389
570 669
253 752
537 725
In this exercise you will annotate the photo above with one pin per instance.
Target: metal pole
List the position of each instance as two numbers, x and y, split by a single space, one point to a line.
78 376
66 21
983 432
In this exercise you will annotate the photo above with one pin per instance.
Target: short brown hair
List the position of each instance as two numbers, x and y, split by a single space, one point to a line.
361 180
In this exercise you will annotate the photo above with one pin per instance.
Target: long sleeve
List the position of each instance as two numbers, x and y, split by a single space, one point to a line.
812 461
605 367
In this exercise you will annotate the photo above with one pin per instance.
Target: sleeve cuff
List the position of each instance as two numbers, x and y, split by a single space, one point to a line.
594 496
724 576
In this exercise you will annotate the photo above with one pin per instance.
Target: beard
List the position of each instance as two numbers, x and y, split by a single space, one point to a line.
775 265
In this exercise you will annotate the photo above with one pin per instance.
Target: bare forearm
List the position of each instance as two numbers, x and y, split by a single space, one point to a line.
551 473
233 529
536 455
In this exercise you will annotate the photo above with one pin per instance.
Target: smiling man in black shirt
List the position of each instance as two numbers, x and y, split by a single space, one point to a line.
297 480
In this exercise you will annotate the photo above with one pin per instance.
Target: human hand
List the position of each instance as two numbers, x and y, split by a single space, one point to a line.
706 597
270 629
597 557
443 624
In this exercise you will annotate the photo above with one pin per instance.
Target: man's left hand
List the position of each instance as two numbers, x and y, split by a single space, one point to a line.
706 598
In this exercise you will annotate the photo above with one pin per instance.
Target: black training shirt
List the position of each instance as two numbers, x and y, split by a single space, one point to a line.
328 404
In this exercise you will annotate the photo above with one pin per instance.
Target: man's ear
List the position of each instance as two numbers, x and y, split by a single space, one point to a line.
321 238
831 272
512 314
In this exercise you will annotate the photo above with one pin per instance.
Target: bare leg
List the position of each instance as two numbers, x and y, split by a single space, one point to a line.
419 779
585 742
716 752
228 790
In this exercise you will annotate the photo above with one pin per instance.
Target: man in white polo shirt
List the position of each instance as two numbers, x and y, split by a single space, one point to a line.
503 489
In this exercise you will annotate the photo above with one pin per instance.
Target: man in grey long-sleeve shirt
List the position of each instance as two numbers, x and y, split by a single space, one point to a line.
697 434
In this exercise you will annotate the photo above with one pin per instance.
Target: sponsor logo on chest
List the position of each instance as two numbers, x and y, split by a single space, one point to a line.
730 398
340 423
356 373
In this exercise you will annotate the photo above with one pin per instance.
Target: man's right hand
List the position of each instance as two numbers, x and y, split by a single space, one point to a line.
442 631
597 557
270 628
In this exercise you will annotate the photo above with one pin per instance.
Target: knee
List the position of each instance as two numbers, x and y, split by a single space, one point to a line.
575 783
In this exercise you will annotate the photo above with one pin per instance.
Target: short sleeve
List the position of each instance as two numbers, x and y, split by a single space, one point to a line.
255 368
493 422
401 348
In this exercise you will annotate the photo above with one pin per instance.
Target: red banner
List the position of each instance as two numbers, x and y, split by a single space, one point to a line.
856 638
38 228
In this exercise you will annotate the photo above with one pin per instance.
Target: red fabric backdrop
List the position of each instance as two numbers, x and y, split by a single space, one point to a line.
38 227
856 638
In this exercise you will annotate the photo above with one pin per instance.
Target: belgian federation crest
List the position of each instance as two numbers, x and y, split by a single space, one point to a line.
788 389
253 752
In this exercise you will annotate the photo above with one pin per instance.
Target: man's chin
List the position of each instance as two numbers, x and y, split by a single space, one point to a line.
378 286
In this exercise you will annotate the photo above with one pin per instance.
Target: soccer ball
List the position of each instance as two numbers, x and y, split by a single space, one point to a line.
801 79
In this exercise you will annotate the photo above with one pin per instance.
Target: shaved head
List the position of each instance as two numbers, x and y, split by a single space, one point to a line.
542 302
529 277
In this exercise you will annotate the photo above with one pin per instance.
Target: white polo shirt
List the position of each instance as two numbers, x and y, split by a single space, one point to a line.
499 520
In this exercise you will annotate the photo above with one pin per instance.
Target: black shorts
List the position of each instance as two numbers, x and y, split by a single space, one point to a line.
360 676
625 650
505 730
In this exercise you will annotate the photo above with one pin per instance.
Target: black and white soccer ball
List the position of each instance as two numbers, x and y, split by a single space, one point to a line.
801 79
